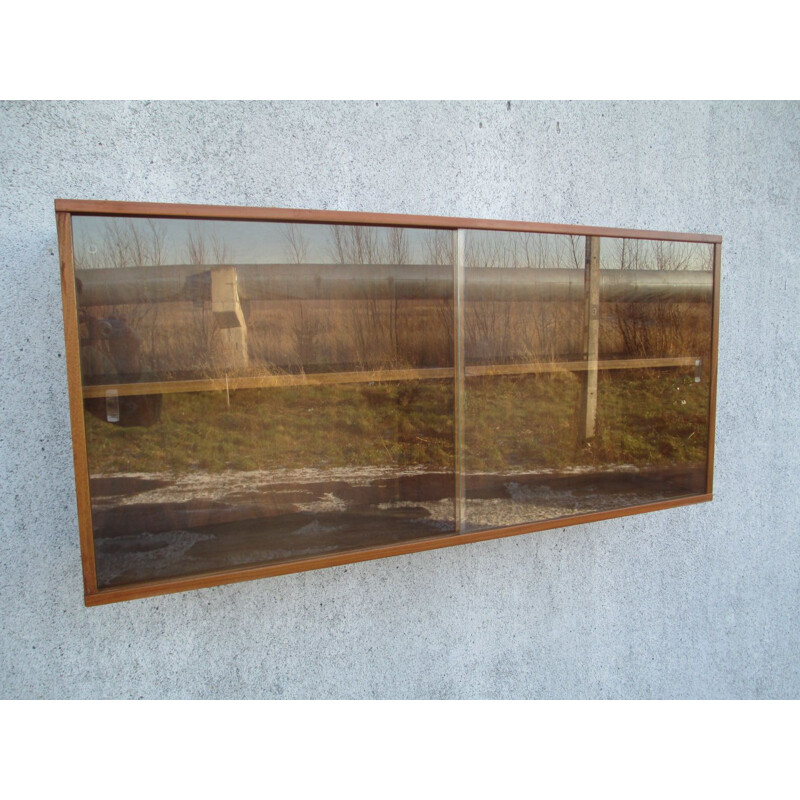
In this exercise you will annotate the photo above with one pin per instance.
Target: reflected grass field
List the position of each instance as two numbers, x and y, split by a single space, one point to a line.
530 422
644 417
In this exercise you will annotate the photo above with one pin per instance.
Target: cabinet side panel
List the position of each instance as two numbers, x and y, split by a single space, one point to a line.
72 355
712 416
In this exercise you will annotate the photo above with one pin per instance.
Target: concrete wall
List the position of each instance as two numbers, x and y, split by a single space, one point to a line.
693 602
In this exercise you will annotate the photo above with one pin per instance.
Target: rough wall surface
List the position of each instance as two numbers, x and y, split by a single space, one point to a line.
699 601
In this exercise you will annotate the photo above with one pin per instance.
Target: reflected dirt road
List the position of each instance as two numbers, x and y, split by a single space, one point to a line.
149 526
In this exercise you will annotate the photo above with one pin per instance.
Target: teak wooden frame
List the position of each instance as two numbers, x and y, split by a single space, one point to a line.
66 209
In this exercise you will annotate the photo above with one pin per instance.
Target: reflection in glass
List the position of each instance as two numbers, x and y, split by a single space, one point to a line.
585 387
260 392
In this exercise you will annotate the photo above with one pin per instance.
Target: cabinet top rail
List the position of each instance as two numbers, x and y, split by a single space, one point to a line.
241 213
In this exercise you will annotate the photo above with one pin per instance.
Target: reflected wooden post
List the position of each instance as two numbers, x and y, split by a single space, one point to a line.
591 338
230 339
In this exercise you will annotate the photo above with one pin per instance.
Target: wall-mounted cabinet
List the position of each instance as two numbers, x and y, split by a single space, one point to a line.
262 391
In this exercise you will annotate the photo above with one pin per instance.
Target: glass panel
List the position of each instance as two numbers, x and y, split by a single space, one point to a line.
587 374
259 392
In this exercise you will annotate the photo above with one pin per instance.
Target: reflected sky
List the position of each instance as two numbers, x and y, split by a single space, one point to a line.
111 241
115 242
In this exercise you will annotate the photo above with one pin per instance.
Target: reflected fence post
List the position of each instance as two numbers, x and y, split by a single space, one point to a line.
591 338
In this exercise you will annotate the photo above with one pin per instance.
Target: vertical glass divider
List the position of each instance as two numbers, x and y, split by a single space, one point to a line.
591 336
458 371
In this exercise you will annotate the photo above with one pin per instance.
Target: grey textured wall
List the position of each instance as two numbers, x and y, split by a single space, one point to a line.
693 602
